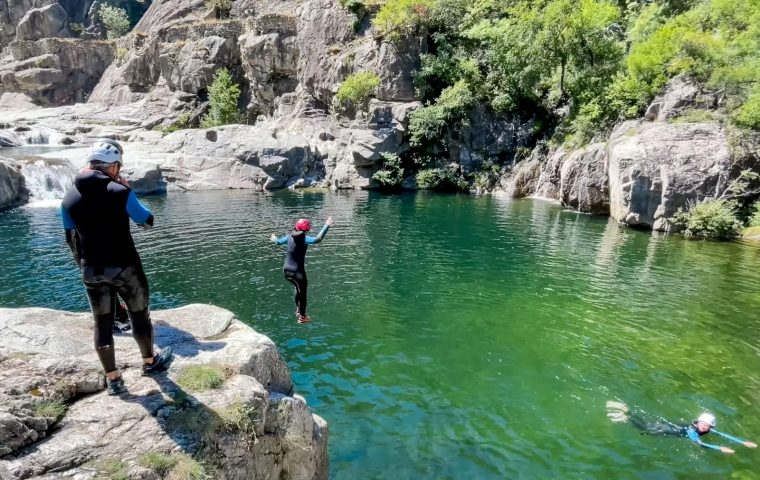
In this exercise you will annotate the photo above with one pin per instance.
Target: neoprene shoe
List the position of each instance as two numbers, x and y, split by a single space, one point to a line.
115 387
161 362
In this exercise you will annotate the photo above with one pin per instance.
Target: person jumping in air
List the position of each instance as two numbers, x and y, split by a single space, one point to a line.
294 268
618 412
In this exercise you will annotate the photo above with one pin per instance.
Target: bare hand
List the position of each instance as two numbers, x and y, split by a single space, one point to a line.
329 221
273 237
750 445
726 450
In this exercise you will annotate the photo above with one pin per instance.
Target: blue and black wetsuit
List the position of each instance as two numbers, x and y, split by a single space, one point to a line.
671 429
95 214
295 268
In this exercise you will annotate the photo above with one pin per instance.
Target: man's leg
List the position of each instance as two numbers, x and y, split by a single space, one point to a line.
132 285
133 289
102 297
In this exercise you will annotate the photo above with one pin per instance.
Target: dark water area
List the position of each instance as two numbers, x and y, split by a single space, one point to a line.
460 337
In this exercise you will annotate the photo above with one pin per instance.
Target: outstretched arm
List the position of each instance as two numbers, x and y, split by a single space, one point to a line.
279 241
694 437
321 234
734 439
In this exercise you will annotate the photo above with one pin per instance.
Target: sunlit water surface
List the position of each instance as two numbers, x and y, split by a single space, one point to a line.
456 337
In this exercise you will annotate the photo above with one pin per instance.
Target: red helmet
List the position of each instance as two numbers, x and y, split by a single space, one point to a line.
302 225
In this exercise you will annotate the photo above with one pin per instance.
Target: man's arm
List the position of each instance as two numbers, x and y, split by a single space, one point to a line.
72 238
138 212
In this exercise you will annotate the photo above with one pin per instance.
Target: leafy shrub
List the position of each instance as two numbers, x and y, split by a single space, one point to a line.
428 123
748 115
76 28
223 100
357 88
441 179
754 220
710 219
115 20
398 18
391 176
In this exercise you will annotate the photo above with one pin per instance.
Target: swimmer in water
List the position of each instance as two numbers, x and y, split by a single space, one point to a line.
618 412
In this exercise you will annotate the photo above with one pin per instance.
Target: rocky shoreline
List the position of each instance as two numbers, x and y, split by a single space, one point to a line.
290 57
56 420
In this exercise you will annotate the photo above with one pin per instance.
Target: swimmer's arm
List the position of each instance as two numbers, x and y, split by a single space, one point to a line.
694 437
734 439
138 213
321 234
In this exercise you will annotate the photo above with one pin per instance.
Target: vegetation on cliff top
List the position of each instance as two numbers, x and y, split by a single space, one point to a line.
115 20
576 66
223 96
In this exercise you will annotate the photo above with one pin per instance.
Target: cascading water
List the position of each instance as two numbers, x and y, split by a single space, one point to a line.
47 180
42 136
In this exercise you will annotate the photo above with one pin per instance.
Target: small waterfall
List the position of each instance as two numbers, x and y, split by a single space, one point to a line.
42 136
47 180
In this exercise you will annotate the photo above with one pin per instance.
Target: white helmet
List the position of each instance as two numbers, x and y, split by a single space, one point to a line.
106 151
707 418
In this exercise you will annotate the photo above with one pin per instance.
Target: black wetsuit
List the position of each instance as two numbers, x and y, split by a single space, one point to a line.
662 427
295 263
96 213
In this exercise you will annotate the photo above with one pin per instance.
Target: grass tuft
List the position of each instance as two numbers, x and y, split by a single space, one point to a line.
199 378
50 408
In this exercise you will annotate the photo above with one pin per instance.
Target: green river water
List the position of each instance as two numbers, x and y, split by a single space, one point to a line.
456 337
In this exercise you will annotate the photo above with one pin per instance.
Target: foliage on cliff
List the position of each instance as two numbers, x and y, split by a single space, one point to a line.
115 20
576 66
223 96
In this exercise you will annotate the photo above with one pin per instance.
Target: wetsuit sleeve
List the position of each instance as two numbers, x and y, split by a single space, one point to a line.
137 211
319 237
68 222
694 437
282 240
727 436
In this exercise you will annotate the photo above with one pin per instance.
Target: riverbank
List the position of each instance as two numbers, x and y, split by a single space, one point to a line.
225 409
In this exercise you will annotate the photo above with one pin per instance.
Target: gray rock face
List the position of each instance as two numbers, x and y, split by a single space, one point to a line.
253 426
678 94
190 66
270 62
656 168
48 21
234 156
12 191
54 71
583 180
10 139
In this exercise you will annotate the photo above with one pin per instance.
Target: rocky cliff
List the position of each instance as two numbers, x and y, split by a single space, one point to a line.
288 56
225 409
646 169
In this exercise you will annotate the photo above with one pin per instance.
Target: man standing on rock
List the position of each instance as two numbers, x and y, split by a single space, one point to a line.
96 213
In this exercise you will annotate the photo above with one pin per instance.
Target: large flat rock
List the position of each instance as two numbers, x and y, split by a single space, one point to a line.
47 355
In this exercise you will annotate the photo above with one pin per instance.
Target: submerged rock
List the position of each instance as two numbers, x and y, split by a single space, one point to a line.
251 426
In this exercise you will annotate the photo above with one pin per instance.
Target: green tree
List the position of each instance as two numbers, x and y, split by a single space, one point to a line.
224 94
115 20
